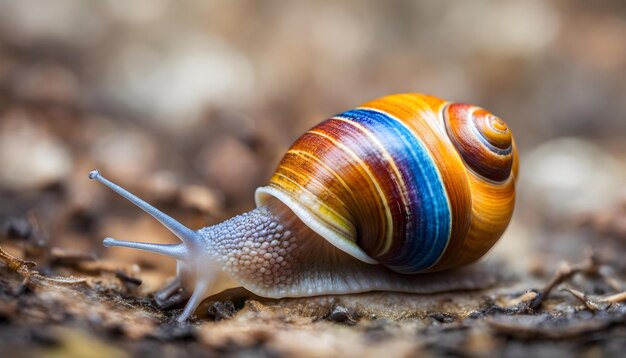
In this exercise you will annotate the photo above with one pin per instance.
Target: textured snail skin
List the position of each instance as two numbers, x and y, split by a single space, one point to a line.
401 185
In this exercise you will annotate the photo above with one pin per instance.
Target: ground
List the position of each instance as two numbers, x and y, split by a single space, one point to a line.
76 304
191 105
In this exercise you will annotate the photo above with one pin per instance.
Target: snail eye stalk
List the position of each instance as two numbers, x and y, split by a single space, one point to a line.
176 251
190 239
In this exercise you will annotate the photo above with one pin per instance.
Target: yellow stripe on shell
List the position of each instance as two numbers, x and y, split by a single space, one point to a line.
341 224
396 170
363 166
324 210
305 155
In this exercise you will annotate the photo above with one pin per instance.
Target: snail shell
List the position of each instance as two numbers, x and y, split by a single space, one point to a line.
409 181
403 184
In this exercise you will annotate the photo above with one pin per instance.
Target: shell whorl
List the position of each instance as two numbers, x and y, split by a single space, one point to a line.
388 182
483 140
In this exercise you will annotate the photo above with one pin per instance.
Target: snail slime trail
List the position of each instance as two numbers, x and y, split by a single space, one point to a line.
381 197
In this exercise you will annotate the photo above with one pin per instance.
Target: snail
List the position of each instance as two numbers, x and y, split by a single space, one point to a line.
378 198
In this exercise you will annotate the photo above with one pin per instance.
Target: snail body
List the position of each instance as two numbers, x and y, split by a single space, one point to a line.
401 185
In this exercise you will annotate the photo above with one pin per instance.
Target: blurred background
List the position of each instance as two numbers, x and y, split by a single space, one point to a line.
192 104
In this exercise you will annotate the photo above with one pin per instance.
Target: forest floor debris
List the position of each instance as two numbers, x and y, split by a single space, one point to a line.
105 306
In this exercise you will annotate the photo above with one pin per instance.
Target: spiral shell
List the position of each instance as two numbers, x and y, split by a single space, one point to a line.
409 181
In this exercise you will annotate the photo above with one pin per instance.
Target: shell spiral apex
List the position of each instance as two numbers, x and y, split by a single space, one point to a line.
483 140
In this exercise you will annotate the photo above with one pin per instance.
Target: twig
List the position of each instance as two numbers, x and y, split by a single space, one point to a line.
565 272
597 303
617 298
24 269
582 297
18 265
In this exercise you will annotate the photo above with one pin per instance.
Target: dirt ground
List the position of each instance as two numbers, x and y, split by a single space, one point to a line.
191 106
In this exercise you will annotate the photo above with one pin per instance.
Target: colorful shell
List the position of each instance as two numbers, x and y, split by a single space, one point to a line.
409 181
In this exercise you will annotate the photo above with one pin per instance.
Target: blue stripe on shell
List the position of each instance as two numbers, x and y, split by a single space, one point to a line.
428 218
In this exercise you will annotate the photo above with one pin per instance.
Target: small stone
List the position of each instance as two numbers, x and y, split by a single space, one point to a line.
443 317
341 314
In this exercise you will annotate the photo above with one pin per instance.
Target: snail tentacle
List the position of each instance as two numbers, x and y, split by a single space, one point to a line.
198 267
177 251
185 234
